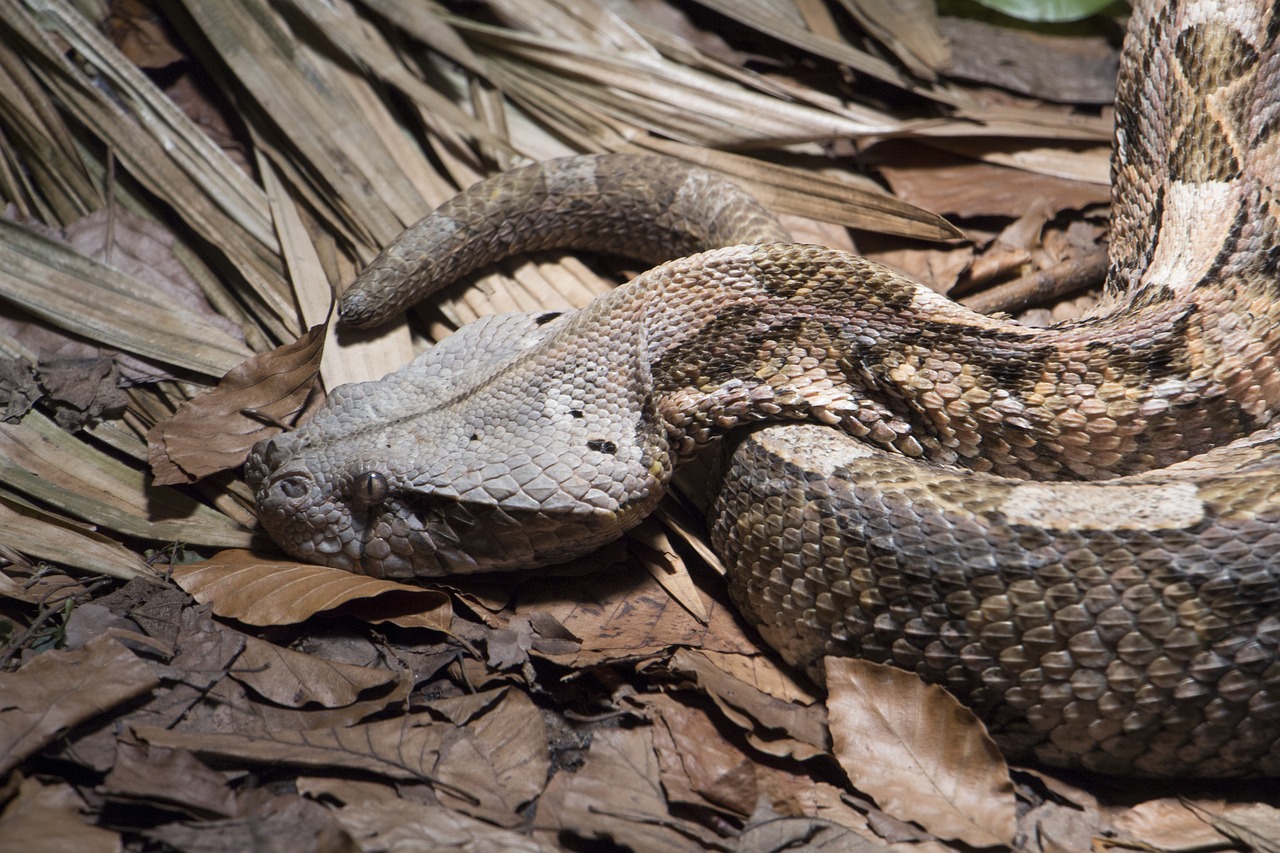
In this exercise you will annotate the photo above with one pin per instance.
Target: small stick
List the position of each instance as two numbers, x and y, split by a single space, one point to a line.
1041 287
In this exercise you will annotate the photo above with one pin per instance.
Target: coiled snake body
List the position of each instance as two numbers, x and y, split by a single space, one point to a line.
1076 529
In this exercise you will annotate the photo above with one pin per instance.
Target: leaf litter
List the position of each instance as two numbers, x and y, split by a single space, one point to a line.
164 688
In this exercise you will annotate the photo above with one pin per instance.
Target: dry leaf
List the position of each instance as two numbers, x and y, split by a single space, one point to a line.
49 537
617 794
698 766
1065 68
803 833
1254 824
267 822
259 591
793 793
909 28
1168 824
762 673
772 725
489 768
919 752
406 827
294 679
960 186
140 35
211 433
624 612
167 778
47 818
56 691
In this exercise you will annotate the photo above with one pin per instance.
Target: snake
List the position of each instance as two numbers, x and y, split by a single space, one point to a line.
1074 528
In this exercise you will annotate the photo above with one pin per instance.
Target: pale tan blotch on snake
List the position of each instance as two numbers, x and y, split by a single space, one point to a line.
1076 529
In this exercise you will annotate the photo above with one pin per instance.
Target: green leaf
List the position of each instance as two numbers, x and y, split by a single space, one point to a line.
1055 11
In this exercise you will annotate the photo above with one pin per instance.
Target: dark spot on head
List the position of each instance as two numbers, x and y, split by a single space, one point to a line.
475 436
601 445
546 317
576 413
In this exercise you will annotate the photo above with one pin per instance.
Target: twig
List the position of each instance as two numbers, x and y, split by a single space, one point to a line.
1041 287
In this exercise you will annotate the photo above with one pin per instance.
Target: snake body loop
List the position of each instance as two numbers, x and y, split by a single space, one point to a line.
1076 529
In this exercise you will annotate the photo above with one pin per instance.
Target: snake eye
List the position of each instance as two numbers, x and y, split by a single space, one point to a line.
370 489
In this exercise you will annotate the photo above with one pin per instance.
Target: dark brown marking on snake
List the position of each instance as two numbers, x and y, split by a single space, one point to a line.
1203 152
1211 55
703 361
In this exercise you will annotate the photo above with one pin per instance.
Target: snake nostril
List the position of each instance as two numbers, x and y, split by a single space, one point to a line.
294 488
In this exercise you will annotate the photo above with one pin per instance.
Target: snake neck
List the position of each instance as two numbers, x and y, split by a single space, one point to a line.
806 333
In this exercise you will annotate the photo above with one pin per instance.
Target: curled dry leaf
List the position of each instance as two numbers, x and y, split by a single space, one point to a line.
295 679
261 591
211 433
1256 825
919 752
772 725
623 613
57 690
761 672
1169 824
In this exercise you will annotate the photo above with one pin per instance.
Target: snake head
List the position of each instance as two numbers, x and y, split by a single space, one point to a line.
373 517
471 458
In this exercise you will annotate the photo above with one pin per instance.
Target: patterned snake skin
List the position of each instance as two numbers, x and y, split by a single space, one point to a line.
1076 529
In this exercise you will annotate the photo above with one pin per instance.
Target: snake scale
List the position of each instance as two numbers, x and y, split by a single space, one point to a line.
1076 529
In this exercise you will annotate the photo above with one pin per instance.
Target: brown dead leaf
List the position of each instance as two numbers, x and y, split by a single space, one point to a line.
1256 825
652 547
168 777
144 248
1169 824
47 818
792 793
503 758
268 822
698 766
405 827
140 34
260 591
489 768
803 833
763 674
57 690
1065 68
961 186
919 752
294 679
618 794
772 725
211 433
909 28
624 612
